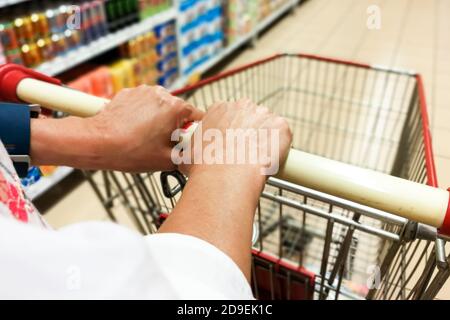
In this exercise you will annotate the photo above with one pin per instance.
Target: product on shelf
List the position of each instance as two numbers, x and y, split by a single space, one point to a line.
9 42
201 32
101 82
242 16
267 7
39 24
166 49
93 24
31 55
142 51
150 58
148 8
121 13
38 31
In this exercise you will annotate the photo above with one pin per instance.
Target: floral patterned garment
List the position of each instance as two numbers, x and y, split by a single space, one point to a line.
14 204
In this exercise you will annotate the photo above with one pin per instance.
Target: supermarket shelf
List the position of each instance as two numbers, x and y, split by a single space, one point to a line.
5 3
95 48
45 183
182 81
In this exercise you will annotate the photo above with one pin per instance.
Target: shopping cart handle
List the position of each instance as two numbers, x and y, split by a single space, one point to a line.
19 84
411 200
12 74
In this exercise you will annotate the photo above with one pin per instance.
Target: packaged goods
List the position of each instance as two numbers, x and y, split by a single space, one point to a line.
8 37
201 32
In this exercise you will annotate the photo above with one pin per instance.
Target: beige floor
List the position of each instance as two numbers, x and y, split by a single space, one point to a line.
414 34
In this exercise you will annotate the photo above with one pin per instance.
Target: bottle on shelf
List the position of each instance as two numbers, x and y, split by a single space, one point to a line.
8 39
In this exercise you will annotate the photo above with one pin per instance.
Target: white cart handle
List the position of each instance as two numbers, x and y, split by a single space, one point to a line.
402 197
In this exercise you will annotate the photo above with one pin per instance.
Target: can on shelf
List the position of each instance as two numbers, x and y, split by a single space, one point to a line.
140 46
150 40
24 30
31 55
40 24
45 47
14 56
53 20
59 44
98 18
8 37
62 17
72 38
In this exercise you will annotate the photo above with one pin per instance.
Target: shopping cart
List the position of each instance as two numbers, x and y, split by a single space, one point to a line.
307 243
313 245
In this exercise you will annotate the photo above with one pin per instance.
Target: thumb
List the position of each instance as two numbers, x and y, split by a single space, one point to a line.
191 114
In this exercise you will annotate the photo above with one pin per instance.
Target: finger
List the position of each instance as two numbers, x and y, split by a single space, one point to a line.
195 114
189 114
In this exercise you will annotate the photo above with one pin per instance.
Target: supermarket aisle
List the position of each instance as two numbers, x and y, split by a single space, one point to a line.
338 29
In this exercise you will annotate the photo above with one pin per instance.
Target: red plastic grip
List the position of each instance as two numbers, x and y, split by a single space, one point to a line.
10 77
187 125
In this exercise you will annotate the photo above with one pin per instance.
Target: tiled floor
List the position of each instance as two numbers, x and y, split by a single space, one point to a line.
414 34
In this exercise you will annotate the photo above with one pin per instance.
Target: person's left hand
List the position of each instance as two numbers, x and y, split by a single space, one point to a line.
138 124
133 133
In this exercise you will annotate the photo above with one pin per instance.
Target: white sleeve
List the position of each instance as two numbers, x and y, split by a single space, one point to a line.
104 261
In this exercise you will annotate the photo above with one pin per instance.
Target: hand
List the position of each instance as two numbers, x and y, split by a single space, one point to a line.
139 123
219 202
131 134
228 117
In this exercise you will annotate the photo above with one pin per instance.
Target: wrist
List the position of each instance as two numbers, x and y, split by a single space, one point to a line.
250 175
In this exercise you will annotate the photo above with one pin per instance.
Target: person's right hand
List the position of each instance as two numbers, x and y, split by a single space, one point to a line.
219 201
226 117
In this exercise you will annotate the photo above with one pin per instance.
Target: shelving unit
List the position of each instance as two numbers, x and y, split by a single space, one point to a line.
96 48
